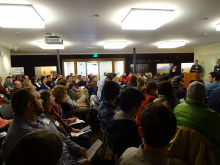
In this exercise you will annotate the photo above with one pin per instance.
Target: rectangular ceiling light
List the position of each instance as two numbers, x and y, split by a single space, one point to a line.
146 19
43 45
218 27
19 16
171 44
115 44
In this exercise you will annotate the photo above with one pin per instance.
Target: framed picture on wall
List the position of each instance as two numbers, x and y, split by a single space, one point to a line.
140 68
185 67
164 68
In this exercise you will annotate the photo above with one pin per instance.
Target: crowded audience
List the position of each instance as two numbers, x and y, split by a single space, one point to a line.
139 119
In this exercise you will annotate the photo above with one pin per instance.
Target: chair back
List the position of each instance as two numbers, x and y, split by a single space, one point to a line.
190 146
6 111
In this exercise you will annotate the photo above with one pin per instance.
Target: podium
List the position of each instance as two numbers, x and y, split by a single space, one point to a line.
190 76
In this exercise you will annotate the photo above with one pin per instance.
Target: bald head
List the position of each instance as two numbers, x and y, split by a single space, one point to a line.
17 84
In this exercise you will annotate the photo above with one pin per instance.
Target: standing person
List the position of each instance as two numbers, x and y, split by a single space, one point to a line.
196 67
173 72
149 91
217 67
128 77
108 77
44 83
28 117
214 82
49 83
166 95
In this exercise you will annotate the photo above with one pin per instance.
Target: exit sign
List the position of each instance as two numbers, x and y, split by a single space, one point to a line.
95 55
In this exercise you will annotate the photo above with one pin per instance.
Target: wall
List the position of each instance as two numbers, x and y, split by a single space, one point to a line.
5 63
31 61
207 56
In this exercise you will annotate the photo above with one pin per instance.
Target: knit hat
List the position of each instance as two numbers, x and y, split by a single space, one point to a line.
197 91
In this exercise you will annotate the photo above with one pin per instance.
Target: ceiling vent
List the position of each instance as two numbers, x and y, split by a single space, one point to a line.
53 39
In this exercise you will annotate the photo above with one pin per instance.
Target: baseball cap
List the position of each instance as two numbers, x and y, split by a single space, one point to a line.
9 77
177 79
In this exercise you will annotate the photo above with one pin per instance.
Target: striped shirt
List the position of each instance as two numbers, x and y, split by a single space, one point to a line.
20 126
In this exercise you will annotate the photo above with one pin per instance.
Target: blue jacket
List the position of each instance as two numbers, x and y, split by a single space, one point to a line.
214 100
105 112
217 68
211 87
43 87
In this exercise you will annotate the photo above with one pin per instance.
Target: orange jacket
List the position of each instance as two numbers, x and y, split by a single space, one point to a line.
144 104
121 78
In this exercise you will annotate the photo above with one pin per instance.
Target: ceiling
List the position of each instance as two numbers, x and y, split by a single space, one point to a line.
72 21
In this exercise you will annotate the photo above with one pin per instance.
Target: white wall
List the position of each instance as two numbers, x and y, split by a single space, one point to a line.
5 63
105 66
207 56
119 68
69 68
81 68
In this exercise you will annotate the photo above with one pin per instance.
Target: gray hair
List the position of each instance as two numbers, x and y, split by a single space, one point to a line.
149 74
45 96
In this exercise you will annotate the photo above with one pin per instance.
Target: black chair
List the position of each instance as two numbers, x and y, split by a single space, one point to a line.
6 111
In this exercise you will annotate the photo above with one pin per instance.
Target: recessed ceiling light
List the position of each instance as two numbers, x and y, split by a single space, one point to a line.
115 44
96 16
20 16
171 44
146 19
43 45
218 27
18 32
205 34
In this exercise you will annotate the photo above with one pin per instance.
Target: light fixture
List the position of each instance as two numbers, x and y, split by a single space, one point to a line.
15 48
43 45
171 44
115 44
218 27
19 16
146 19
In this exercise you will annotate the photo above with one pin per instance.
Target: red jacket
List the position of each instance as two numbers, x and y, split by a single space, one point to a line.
1 101
127 79
2 90
148 99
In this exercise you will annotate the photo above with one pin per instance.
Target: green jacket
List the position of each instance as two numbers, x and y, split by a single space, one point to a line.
200 117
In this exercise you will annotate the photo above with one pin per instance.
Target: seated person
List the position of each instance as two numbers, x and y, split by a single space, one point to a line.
82 82
44 83
76 91
79 89
214 100
17 85
25 77
177 82
122 128
34 81
3 91
198 116
132 83
93 84
165 77
158 127
8 83
107 108
149 77
27 84
47 147
122 78
59 76
60 94
28 117
49 83
214 82
62 125
78 79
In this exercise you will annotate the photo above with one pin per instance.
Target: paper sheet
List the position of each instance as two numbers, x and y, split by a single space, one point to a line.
77 122
82 131
92 150
3 134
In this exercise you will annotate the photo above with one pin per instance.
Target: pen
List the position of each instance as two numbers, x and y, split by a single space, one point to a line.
87 129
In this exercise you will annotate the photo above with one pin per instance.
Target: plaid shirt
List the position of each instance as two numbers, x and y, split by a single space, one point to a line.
20 126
